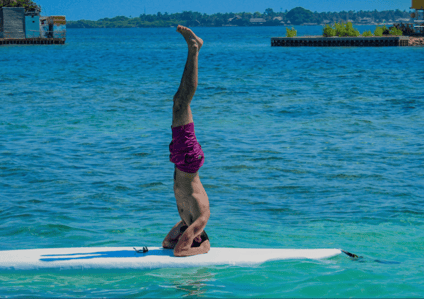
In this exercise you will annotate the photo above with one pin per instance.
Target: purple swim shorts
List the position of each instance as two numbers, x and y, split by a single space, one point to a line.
186 152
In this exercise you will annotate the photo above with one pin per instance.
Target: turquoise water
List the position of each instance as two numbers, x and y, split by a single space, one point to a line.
305 148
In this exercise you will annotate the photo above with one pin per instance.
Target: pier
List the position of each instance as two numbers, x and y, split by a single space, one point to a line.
320 41
32 41
21 27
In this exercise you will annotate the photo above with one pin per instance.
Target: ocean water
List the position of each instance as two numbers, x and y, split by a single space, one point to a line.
305 148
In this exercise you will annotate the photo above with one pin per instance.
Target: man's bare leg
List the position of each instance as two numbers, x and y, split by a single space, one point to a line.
191 197
181 111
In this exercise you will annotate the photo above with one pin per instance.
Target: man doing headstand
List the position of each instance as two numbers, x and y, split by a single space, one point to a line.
188 237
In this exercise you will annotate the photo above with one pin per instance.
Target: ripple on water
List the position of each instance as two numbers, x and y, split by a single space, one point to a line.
305 148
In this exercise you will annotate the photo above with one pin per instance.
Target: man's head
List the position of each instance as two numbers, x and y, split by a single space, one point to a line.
197 240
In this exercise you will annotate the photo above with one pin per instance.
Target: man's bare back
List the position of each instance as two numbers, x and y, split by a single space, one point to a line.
188 237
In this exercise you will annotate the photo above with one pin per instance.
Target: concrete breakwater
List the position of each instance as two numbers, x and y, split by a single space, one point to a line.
320 41
32 41
416 41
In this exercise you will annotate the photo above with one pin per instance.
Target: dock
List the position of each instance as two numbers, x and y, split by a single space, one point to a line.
360 41
32 41
19 26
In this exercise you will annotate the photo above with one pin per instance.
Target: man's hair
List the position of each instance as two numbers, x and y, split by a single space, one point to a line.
203 235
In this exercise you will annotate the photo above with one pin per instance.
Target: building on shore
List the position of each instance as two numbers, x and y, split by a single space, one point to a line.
53 27
15 23
236 18
257 21
417 4
12 22
401 20
45 27
418 15
32 24
59 26
365 21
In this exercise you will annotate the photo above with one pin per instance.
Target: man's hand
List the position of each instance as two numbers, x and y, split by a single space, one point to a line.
173 236
192 233
198 239
203 248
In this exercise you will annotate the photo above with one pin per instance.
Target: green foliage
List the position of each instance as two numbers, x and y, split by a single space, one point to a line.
299 16
269 12
347 29
340 29
329 31
351 31
379 31
29 5
291 32
395 31
367 33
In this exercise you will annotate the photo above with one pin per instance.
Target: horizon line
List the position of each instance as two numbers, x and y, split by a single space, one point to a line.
130 17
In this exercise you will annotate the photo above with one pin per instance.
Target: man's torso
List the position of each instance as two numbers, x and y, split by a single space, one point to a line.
192 200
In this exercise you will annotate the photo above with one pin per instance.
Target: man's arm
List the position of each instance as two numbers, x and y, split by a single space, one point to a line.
183 247
172 238
203 248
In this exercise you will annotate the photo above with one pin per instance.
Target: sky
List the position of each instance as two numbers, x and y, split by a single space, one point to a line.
98 9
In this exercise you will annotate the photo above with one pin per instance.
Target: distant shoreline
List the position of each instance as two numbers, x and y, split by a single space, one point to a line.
296 17
70 26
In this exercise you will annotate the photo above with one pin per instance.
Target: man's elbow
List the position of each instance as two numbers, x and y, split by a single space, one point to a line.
207 246
204 248
178 253
168 245
207 214
181 253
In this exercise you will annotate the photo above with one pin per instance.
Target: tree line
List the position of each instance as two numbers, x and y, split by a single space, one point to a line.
29 5
296 16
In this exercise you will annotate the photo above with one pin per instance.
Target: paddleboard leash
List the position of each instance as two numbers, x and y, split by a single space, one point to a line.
144 250
351 254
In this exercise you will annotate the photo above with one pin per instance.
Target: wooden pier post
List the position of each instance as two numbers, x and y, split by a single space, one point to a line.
32 41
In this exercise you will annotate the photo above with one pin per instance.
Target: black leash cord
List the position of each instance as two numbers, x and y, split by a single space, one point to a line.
351 254
144 250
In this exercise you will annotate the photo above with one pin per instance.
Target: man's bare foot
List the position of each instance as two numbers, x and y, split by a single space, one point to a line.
193 42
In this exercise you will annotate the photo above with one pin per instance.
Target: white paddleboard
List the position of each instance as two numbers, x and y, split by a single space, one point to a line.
126 258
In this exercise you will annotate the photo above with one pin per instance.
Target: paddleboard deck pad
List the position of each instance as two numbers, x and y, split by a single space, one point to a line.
130 258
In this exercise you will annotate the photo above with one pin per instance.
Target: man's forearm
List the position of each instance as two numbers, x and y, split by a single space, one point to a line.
169 244
203 248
